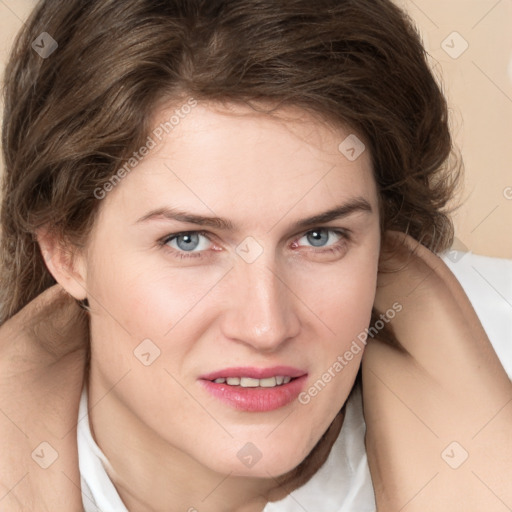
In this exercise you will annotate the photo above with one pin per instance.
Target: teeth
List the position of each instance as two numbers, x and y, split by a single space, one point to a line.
270 382
248 382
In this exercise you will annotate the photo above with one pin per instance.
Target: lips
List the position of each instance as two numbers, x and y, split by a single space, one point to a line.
255 398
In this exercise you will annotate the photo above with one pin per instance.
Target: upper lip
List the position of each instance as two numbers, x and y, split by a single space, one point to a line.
254 373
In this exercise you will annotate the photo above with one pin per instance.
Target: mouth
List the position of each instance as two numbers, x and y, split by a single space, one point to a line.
255 389
249 382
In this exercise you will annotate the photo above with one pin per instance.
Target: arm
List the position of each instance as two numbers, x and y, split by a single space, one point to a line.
42 358
439 416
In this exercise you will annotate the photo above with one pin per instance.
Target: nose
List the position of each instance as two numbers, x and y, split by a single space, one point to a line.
262 306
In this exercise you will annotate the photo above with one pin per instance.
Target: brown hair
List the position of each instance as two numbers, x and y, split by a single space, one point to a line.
71 119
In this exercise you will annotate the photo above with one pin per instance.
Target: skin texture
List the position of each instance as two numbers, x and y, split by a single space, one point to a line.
296 304
438 415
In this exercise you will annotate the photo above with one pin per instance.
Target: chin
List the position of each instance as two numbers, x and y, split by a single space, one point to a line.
260 459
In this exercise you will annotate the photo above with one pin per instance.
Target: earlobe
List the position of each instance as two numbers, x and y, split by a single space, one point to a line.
64 261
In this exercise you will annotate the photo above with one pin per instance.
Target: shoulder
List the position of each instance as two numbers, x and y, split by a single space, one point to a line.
487 282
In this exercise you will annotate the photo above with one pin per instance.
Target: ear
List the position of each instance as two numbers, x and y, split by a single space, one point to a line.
65 262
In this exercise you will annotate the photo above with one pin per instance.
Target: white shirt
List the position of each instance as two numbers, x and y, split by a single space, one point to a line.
343 483
98 491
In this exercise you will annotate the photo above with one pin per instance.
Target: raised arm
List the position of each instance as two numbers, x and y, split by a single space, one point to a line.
439 416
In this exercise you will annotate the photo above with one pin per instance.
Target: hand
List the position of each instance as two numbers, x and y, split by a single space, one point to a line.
439 415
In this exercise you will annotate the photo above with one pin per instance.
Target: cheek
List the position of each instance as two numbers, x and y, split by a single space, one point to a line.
343 304
141 297
344 297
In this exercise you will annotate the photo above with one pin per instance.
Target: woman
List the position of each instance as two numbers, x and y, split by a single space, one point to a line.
211 212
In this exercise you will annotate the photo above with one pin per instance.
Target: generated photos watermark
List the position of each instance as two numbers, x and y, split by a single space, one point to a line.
344 359
152 141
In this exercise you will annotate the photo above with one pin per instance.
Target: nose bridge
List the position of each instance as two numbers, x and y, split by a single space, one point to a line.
262 307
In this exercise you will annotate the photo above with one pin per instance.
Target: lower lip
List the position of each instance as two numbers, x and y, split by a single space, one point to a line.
256 399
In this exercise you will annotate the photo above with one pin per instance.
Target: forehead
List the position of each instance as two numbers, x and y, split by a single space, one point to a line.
230 157
288 128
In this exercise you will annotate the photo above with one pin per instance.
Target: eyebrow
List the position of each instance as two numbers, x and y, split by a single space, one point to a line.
354 205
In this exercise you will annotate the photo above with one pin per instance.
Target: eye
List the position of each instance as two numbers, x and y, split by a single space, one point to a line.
193 244
186 242
319 237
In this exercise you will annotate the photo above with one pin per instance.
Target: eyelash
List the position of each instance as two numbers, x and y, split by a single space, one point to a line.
335 249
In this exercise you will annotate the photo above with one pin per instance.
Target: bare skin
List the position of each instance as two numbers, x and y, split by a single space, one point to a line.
439 416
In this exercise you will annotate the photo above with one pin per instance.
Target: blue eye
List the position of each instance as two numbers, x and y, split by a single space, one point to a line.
187 244
319 236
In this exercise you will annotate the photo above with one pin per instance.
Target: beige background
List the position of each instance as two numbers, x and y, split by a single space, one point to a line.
470 46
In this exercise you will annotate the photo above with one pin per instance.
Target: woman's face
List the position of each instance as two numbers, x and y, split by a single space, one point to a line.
257 296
